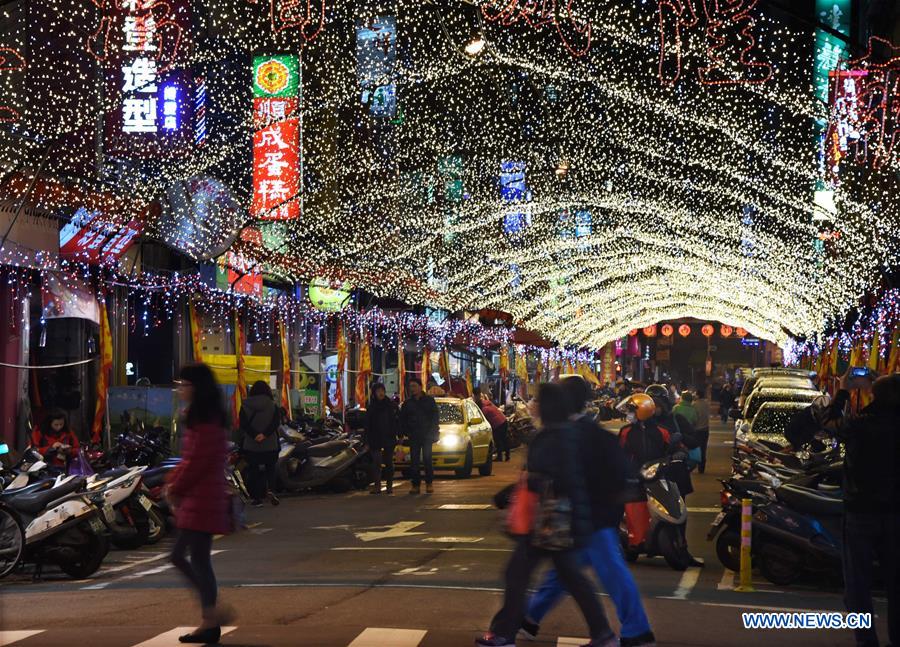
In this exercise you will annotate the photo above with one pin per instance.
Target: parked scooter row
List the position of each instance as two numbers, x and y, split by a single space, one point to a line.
797 509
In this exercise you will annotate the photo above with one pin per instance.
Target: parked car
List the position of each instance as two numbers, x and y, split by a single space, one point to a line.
771 421
760 396
774 378
466 440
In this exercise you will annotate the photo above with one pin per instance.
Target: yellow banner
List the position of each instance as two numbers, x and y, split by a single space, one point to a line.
401 369
285 371
102 374
195 332
362 375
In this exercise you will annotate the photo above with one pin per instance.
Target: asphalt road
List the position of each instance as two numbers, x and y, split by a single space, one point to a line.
388 571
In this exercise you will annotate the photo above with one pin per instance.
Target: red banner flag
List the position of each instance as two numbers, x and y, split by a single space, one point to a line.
102 374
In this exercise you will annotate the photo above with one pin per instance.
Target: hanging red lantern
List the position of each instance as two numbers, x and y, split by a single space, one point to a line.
632 333
741 332
707 330
684 330
667 330
650 331
726 330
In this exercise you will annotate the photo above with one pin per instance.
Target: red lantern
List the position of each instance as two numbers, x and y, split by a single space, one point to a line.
667 330
707 330
684 330
632 333
726 330
741 332
650 331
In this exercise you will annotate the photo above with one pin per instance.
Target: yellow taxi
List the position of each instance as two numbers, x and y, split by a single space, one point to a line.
466 440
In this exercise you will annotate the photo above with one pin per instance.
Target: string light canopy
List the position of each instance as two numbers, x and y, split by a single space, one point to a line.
591 171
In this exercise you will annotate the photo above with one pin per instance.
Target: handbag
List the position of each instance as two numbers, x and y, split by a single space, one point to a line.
553 521
520 512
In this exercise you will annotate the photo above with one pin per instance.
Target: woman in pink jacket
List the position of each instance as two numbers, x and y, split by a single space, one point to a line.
197 490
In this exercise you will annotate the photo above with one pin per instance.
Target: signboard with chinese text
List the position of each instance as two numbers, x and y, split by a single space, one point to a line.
376 55
276 154
88 238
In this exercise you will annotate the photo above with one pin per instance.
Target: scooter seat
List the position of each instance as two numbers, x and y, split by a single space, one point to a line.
155 476
33 503
114 473
327 449
31 488
810 501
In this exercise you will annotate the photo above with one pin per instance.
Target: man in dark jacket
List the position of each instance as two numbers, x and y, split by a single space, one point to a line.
419 422
259 420
381 435
605 468
871 497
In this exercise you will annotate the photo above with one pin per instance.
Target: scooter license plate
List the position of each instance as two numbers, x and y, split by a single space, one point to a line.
96 525
145 502
109 513
718 519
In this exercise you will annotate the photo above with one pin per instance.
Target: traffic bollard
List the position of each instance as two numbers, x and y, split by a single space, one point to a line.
746 584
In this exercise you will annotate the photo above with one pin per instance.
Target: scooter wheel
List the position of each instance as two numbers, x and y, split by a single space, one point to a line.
780 565
673 547
728 549
90 557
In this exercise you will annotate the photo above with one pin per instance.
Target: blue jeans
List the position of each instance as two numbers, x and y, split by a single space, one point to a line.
604 553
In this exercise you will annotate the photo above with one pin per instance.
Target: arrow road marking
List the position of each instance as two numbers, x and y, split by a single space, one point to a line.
399 529
10 637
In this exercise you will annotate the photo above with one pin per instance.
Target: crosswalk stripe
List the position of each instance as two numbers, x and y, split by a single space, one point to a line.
571 642
170 638
376 637
10 637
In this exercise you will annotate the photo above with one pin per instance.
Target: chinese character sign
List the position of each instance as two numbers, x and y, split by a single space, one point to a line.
732 53
830 50
573 31
276 155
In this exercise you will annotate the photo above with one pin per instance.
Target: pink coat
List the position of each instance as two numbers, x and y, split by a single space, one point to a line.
197 484
494 416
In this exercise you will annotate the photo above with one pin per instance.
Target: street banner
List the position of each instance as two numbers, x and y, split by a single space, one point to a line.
338 402
874 353
285 371
893 363
469 388
835 357
539 370
444 368
363 373
426 367
103 372
240 389
401 369
608 364
195 332
504 363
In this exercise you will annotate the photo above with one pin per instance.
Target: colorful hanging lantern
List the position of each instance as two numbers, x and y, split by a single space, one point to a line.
667 330
707 330
684 330
741 332
726 330
650 331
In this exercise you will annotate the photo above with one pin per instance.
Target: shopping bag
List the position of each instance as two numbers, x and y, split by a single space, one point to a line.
521 510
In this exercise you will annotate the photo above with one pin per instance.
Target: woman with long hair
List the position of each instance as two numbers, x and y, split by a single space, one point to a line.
197 491
552 459
54 439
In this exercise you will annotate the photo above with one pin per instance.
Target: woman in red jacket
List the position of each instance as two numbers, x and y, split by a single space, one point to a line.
198 492
55 440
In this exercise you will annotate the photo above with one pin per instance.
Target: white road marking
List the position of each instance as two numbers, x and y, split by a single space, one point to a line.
416 570
409 548
170 638
375 637
368 585
454 540
571 642
139 562
136 576
399 529
10 637
727 581
710 510
465 506
685 585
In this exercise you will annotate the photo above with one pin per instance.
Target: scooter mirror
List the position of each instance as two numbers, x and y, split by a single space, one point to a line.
4 449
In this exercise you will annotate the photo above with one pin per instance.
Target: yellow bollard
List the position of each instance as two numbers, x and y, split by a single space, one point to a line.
746 584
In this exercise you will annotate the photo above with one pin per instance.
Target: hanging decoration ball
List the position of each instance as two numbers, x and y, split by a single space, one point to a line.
707 330
650 331
667 330
632 332
329 296
726 330
684 330
741 332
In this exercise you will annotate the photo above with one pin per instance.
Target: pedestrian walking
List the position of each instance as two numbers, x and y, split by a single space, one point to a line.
685 408
606 467
726 401
499 426
701 428
258 421
552 465
381 435
419 422
871 497
197 491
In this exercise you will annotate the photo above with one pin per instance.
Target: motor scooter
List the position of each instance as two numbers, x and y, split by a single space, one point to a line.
303 465
665 528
